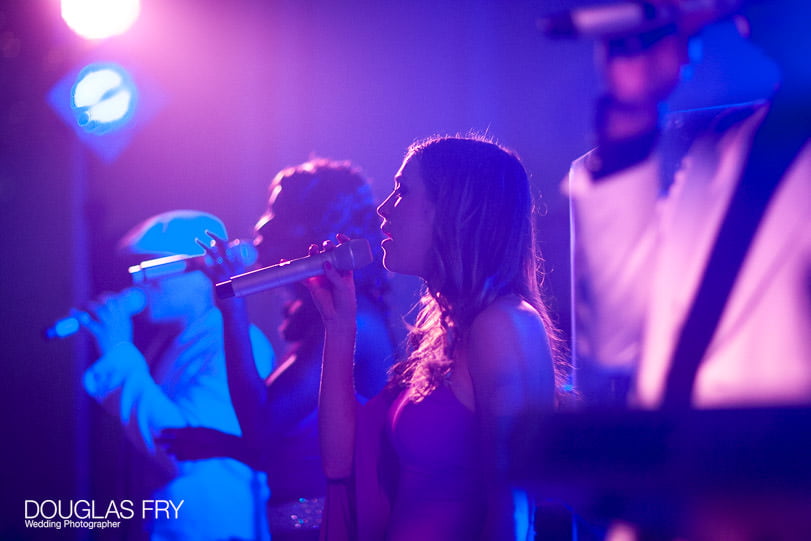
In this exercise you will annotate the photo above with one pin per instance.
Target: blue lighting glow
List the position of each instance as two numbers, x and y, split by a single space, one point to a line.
103 99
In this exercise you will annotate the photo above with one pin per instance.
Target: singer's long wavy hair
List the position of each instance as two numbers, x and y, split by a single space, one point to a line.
483 247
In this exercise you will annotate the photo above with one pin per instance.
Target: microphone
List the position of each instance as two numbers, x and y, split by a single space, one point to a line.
347 256
240 250
624 19
132 300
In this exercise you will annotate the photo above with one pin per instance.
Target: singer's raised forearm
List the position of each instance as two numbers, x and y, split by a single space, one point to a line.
337 404
245 384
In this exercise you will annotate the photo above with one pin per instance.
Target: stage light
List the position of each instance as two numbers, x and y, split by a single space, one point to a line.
103 99
99 19
94 113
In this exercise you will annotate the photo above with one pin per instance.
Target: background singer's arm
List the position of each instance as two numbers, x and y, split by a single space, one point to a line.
122 382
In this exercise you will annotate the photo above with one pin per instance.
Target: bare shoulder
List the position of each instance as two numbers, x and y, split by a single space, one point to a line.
508 354
507 317
508 331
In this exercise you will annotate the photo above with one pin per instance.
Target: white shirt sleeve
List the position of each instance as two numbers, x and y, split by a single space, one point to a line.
614 242
120 380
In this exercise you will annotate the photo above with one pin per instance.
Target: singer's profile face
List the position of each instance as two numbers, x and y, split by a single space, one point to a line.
408 221
278 234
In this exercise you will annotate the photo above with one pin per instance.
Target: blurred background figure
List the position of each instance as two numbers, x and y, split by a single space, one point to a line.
307 203
692 273
707 280
173 376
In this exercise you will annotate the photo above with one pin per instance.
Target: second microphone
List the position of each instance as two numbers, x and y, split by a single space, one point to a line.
347 256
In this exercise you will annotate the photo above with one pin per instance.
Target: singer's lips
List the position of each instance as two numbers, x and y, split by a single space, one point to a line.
386 231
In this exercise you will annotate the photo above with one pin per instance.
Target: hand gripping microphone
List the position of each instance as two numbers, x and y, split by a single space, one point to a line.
132 301
347 256
240 250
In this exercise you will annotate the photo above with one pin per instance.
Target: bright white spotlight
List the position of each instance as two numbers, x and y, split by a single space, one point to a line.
99 19
103 98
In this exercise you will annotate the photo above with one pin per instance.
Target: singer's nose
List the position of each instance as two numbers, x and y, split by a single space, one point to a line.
383 208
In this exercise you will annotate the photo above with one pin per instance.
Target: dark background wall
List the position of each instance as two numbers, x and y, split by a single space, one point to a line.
231 92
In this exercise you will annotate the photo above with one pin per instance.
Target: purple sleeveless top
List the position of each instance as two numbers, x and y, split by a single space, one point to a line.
439 492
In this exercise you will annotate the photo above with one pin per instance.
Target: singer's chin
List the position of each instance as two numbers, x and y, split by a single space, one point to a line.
400 261
389 259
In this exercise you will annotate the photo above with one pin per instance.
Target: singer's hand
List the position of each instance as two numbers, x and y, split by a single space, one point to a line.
334 292
224 262
108 321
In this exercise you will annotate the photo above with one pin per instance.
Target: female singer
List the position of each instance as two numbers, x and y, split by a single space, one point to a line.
427 458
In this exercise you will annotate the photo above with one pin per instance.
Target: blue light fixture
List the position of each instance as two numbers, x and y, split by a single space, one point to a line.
101 103
104 98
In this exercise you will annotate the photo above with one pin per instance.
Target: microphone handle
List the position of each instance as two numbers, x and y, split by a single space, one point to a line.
632 18
282 274
162 267
349 256
600 20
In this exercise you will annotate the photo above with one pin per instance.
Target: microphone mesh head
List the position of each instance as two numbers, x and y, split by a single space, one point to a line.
353 255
